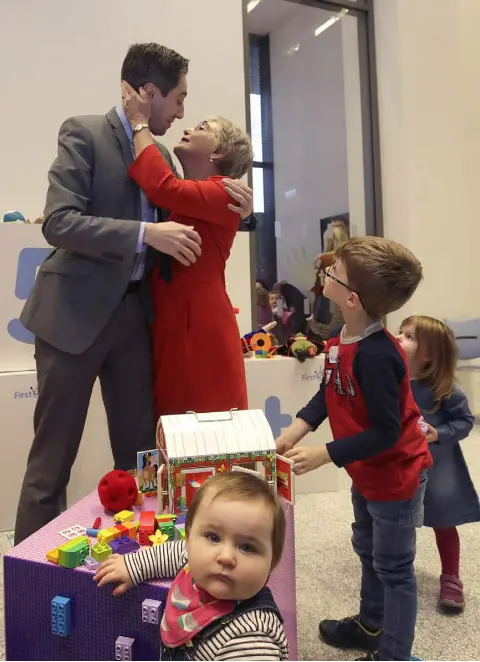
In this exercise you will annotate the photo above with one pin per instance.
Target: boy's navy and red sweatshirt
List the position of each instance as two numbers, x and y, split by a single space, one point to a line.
365 394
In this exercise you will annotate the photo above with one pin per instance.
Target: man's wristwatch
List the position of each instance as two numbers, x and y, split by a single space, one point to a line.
139 127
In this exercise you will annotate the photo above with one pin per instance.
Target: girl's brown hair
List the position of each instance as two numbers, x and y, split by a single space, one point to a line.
436 343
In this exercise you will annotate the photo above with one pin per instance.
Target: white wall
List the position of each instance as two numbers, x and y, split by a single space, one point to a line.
64 58
429 103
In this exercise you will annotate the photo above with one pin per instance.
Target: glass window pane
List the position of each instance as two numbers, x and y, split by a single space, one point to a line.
256 126
258 191
321 162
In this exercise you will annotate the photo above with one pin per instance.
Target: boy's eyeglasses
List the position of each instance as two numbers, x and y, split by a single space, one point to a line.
329 274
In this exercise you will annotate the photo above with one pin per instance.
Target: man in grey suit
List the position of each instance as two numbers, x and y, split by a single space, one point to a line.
90 306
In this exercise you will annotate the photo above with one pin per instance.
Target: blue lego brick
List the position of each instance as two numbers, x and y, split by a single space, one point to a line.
123 648
61 616
151 611
181 519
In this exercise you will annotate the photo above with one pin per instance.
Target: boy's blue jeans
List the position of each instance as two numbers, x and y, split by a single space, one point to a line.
384 537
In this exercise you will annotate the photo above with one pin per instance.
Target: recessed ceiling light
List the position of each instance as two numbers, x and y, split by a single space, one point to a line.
330 22
252 4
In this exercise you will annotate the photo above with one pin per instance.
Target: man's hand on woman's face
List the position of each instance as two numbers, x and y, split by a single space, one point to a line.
137 106
243 194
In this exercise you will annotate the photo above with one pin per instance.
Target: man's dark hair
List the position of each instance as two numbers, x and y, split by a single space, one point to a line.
153 63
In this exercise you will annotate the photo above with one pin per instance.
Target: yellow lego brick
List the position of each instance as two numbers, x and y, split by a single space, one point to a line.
124 516
106 535
116 532
52 556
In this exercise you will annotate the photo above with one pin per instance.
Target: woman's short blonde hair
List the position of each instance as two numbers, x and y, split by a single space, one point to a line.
235 146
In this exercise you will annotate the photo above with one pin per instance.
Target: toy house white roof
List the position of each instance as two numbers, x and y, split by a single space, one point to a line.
217 433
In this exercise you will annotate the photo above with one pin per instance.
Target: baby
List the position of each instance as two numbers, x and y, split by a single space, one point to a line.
218 606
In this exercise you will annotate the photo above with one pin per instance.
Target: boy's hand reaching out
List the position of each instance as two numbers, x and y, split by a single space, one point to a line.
113 570
308 458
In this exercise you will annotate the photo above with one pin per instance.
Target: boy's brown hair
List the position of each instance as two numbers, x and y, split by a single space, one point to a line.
382 272
242 486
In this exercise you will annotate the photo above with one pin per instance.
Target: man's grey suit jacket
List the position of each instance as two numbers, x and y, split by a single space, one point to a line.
92 217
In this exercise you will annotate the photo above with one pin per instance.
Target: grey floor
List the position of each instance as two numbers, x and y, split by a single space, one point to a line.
328 576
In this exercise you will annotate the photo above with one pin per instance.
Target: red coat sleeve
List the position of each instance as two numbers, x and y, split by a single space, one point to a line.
203 200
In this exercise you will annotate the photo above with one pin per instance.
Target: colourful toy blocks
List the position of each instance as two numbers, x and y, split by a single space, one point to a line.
124 545
61 616
166 528
74 552
129 529
124 516
179 531
151 612
147 526
90 563
73 532
101 551
107 535
123 648
52 556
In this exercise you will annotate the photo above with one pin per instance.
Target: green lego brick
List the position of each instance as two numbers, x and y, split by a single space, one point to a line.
101 551
167 528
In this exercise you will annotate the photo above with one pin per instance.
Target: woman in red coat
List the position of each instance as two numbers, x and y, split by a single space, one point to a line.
198 360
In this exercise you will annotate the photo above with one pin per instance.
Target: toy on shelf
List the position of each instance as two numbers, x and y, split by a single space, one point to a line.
300 347
197 446
259 343
14 217
117 490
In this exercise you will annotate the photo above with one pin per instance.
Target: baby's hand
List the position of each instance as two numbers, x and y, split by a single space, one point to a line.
114 569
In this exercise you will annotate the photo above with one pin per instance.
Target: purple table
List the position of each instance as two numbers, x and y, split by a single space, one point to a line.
31 582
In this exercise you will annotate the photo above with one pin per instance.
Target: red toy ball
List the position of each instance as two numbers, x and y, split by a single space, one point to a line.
117 490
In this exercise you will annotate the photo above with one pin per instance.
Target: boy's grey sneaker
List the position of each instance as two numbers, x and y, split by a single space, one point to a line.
349 633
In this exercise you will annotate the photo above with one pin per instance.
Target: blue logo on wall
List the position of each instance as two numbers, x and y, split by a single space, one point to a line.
28 262
275 418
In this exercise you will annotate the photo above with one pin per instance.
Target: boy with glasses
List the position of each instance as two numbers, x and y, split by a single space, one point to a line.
365 393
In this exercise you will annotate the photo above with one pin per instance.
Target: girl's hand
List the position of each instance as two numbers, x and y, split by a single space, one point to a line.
137 106
432 434
113 570
308 458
